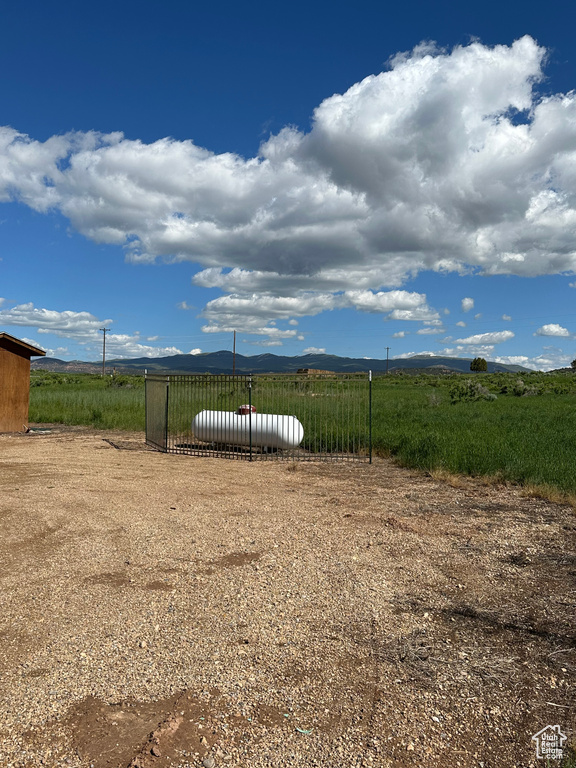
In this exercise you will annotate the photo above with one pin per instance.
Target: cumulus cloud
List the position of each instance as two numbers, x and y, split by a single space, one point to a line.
123 345
196 351
56 352
552 329
82 327
314 351
507 318
446 161
258 313
550 359
467 305
461 324
466 350
495 337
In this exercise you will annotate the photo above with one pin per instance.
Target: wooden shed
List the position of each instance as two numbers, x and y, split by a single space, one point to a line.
15 382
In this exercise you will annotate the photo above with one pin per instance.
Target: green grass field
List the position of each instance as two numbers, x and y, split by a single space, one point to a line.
524 439
515 428
102 402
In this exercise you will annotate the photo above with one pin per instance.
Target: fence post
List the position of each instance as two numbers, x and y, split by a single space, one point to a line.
146 404
166 414
250 413
370 416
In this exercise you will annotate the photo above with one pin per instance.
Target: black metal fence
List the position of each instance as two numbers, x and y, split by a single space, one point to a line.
281 416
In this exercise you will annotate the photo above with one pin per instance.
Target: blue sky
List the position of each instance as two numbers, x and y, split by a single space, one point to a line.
320 177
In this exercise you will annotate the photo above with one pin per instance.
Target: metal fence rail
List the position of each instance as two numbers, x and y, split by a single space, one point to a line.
264 416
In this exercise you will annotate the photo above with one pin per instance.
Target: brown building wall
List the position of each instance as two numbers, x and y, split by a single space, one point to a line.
14 391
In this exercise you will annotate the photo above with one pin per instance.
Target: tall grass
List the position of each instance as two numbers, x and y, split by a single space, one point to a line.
528 440
101 402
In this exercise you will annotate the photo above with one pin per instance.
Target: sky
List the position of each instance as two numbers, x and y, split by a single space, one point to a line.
353 179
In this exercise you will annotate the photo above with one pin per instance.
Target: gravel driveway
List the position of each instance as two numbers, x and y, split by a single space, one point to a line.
176 611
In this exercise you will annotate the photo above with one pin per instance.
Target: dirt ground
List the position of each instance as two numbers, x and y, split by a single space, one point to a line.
178 611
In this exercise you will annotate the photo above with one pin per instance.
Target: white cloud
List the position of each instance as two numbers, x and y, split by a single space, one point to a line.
2 301
513 359
405 355
314 351
572 285
122 345
184 305
547 361
79 325
33 343
421 314
399 335
467 305
57 352
50 352
84 329
256 313
466 350
429 331
506 318
478 316
552 329
496 337
446 160
196 351
449 160
461 323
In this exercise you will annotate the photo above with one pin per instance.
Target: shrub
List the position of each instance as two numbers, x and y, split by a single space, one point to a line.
469 391
521 389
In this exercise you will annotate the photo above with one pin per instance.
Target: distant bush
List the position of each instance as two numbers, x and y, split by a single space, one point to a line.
469 391
125 380
521 389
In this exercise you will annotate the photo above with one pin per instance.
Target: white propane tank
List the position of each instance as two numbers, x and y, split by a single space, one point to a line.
269 430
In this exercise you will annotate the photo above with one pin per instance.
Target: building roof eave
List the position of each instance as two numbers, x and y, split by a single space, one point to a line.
31 350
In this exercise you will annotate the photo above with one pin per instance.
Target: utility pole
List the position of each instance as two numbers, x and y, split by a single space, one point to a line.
104 331
387 350
234 356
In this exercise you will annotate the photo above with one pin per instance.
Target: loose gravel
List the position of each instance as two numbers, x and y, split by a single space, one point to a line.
178 611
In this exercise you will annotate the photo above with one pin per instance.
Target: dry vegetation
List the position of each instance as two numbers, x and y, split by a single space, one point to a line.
174 611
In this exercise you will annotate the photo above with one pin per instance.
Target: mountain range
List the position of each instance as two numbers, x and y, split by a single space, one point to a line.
223 362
